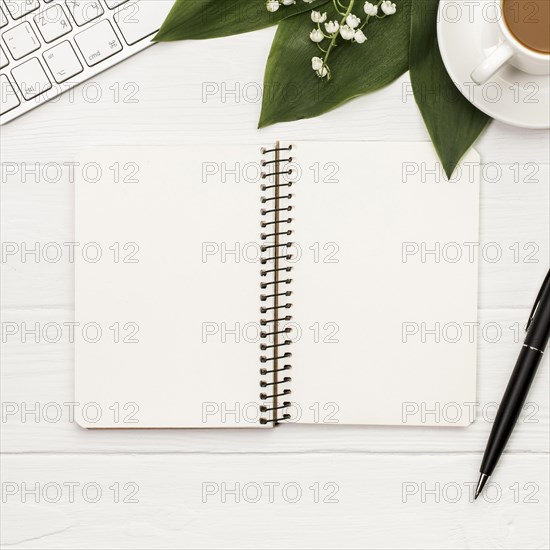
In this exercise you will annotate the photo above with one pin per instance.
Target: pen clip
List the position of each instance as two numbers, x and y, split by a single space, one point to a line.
537 300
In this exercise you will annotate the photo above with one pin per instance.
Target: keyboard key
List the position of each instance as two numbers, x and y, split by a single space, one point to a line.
112 4
62 62
3 18
52 23
98 43
141 18
84 11
31 78
8 97
4 62
19 8
21 40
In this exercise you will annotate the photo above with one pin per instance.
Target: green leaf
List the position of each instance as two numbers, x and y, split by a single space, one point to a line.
197 19
452 121
293 91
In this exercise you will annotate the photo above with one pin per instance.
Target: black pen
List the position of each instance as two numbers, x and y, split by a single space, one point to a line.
538 333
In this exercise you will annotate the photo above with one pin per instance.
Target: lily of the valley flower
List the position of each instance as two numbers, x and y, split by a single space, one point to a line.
370 9
388 7
316 63
319 67
332 26
322 72
272 5
359 36
316 35
317 17
353 21
348 27
346 32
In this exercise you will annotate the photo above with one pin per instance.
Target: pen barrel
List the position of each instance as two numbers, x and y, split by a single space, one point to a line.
539 331
510 407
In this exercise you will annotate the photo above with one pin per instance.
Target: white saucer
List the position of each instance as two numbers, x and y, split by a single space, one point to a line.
467 33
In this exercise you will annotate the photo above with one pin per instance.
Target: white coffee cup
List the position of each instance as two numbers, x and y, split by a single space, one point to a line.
511 51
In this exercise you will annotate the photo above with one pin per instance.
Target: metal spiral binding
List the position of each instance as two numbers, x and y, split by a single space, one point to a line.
275 284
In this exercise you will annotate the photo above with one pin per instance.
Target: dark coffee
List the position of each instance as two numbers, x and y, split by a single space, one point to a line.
529 22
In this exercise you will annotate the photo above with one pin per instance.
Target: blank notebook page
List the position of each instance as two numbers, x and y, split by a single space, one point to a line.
185 290
384 288
386 328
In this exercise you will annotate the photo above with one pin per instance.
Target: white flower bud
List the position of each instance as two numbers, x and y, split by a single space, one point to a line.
370 9
316 35
317 17
388 7
346 32
360 36
332 26
316 63
353 21
272 5
322 72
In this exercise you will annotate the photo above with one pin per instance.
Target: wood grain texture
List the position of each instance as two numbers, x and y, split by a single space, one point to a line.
210 92
341 501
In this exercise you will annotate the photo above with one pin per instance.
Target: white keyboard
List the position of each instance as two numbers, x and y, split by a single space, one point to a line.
49 46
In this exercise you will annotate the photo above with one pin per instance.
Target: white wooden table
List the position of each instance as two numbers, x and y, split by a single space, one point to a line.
297 487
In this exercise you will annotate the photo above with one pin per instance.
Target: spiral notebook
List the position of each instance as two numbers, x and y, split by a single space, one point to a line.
304 282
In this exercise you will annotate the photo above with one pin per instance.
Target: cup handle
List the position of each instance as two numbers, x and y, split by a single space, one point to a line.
487 68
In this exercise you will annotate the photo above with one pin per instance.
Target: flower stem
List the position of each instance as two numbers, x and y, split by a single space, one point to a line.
335 35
